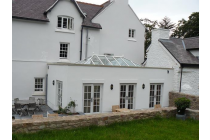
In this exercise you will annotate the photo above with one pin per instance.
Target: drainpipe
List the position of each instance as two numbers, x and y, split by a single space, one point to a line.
81 44
180 88
46 88
86 45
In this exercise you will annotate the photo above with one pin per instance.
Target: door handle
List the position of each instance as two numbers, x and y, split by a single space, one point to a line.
91 100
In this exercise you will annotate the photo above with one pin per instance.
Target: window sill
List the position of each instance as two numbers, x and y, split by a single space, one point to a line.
38 94
63 60
132 39
64 31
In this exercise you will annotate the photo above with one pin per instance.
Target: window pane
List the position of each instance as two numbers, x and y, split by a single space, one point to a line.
104 60
112 60
59 21
63 50
122 63
128 62
64 22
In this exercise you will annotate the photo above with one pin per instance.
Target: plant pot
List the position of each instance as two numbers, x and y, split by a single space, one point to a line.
181 111
181 117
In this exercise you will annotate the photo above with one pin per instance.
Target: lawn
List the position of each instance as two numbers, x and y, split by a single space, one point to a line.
149 129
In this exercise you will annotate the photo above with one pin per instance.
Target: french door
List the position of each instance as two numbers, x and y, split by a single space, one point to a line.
59 93
127 96
92 98
155 95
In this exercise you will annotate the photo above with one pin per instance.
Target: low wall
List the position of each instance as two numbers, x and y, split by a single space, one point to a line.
194 99
35 125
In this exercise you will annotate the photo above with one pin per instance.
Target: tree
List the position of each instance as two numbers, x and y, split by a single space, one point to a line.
188 28
166 23
149 25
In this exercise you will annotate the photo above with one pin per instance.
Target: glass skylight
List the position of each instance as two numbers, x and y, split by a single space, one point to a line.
108 61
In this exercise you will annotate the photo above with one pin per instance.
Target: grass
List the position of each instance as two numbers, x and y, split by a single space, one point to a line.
148 129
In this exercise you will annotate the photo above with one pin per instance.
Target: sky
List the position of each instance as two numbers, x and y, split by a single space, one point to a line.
158 9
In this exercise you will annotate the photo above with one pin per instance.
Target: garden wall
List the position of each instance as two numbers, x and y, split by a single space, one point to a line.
34 125
194 99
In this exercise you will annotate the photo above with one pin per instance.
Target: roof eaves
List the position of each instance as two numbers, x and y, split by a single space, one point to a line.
24 18
51 7
92 27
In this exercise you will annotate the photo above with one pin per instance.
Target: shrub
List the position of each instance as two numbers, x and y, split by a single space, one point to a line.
182 104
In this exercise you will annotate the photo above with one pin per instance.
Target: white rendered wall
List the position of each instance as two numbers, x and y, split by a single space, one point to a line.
158 56
73 78
36 43
190 81
116 20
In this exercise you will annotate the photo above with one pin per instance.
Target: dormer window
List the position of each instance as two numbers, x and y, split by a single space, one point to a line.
65 22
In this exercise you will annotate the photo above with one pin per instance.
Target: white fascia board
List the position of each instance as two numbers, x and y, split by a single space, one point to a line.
80 9
137 16
102 11
169 54
52 6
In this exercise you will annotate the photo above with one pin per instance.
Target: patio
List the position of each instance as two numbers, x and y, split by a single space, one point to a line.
43 112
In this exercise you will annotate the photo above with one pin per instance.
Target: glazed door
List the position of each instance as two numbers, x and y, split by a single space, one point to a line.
92 98
127 96
155 95
59 93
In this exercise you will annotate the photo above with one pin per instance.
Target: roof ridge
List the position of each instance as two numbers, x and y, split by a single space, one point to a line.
89 3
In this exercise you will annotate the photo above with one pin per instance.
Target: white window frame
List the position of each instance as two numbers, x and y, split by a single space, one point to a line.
68 44
92 97
133 35
41 91
61 90
126 94
70 26
155 94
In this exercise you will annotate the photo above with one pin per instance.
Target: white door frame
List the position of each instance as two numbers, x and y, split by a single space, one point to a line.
92 98
126 95
155 94
61 90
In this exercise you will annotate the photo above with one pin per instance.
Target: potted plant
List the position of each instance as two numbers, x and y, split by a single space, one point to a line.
181 104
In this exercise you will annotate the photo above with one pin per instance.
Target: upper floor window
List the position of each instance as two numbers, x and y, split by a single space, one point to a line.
132 33
64 50
65 22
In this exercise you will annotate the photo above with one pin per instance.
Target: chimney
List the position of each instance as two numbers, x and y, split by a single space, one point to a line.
160 34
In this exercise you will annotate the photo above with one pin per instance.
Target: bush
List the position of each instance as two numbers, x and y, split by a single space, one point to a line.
182 104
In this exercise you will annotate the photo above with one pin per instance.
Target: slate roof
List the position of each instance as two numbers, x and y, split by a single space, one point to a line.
191 43
177 49
31 9
36 10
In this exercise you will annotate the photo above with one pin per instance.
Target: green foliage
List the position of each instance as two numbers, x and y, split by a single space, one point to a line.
186 29
149 25
182 103
72 104
147 129
166 23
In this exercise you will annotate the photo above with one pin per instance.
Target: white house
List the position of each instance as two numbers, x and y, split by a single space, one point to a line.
50 36
180 54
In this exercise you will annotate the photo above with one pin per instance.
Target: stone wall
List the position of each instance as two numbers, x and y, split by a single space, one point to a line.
34 125
70 122
194 99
